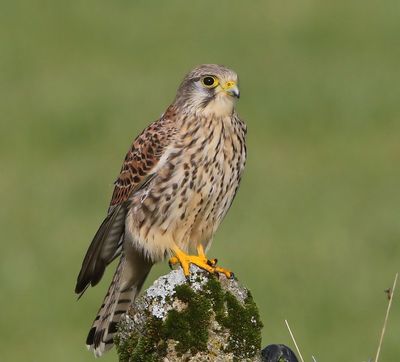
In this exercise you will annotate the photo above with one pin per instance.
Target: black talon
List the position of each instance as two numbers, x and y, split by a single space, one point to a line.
212 262
232 276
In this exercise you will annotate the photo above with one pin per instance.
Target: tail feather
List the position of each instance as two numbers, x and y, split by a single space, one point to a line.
125 286
104 248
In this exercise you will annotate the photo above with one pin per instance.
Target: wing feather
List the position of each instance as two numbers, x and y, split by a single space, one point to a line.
138 169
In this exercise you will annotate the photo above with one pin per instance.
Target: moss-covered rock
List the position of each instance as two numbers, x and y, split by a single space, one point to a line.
200 319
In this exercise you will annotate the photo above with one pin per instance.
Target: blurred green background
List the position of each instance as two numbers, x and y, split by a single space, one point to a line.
315 230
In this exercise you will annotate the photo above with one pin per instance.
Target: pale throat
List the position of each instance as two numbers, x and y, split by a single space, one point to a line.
222 105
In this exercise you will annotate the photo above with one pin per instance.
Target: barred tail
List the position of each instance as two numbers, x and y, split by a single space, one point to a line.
125 286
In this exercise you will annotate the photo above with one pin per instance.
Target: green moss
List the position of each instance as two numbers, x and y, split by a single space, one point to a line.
189 327
243 321
245 326
217 295
150 346
143 348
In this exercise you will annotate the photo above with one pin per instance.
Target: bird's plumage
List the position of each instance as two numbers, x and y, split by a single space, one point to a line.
138 169
176 184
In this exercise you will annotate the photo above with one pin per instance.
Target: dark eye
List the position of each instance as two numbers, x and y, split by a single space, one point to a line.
209 81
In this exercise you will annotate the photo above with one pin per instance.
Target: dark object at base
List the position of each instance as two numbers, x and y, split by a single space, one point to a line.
278 353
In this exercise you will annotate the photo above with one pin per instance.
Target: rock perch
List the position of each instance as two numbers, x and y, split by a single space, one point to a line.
204 318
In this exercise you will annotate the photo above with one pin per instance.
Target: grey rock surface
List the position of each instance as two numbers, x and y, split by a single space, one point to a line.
204 318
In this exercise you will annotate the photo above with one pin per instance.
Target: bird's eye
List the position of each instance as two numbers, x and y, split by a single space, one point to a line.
209 81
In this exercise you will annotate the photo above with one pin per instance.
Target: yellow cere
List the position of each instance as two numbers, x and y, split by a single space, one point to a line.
229 85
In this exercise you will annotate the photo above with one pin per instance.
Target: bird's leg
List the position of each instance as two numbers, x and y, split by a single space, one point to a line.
213 263
185 260
202 254
200 260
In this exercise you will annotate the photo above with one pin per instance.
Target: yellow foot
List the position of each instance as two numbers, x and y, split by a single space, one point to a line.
200 260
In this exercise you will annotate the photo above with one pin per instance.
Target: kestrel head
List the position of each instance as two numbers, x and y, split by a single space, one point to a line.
209 89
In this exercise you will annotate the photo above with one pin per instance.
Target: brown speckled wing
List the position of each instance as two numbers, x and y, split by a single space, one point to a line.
138 168
141 159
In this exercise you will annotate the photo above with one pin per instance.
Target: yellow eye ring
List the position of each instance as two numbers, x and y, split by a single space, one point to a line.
209 81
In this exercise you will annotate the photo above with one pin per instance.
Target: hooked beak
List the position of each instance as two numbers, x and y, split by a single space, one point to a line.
231 89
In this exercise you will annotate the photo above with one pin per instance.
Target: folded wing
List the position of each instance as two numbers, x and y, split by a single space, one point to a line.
138 169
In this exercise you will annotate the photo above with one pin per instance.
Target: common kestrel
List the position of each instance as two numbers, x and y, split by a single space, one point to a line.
176 184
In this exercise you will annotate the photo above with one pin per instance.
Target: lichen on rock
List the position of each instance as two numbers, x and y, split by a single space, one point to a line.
204 318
